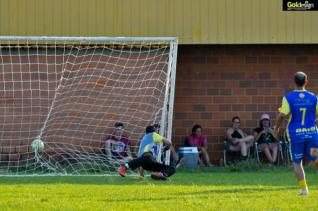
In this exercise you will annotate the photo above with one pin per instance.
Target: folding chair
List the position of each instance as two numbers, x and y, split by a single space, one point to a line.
227 152
286 148
280 156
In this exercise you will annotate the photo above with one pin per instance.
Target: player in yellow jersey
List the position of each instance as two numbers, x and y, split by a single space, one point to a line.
302 108
148 151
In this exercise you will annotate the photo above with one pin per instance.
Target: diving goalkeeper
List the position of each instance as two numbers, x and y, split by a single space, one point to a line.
147 156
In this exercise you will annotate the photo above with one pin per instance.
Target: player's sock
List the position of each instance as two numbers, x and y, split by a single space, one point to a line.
302 184
126 165
303 188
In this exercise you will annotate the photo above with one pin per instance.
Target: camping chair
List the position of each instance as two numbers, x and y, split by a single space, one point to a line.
280 155
227 152
286 148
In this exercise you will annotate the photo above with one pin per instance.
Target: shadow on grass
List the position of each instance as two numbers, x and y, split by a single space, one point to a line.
237 190
206 194
267 176
204 176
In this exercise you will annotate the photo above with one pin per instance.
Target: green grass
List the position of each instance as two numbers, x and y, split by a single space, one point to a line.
213 189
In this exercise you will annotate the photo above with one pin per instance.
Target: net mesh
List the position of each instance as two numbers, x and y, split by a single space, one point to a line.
70 93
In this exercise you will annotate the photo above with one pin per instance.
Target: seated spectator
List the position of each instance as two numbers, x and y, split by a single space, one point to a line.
239 141
196 139
117 146
265 139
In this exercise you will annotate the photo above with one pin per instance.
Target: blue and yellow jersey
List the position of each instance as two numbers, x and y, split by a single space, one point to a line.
148 143
302 107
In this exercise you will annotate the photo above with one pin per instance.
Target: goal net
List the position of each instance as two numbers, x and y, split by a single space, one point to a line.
87 99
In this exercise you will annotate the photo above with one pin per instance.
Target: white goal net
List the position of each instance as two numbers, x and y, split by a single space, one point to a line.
87 99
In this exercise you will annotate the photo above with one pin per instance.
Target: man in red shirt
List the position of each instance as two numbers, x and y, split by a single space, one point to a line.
117 146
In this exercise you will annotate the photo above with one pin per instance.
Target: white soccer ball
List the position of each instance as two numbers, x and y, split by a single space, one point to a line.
37 145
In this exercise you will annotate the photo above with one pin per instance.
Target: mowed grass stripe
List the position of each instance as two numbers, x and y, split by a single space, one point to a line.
194 190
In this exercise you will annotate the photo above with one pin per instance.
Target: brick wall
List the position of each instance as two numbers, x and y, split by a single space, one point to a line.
76 98
216 82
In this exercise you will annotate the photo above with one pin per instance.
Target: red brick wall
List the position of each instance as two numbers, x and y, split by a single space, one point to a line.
216 82
91 95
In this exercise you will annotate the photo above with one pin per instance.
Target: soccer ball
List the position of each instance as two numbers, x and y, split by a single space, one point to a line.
37 145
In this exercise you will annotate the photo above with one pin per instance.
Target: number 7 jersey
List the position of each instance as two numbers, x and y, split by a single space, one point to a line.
302 107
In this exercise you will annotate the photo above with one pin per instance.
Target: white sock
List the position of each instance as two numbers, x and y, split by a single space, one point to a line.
126 165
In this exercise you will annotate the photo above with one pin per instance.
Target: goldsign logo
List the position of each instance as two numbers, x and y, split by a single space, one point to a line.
300 5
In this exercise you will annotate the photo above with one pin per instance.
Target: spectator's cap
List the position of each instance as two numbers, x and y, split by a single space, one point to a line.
265 116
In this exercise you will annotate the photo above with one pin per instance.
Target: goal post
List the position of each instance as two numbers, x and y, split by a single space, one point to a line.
70 91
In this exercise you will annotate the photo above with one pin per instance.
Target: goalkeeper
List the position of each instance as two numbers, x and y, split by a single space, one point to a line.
147 156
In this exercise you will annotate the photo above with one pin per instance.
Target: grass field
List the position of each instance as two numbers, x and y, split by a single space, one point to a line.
204 189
